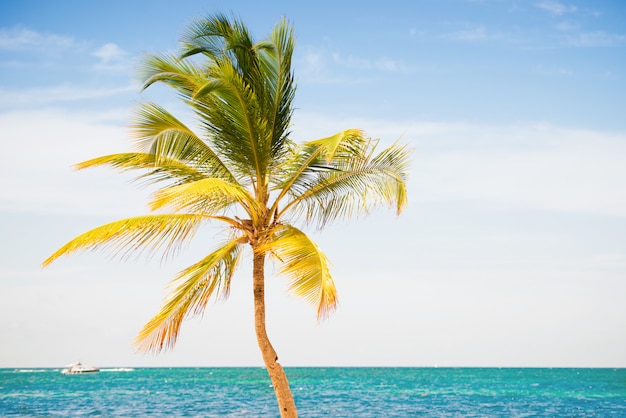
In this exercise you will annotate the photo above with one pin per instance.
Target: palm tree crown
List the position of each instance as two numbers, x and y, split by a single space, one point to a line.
241 169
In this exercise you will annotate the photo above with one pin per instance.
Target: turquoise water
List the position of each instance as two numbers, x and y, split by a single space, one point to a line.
318 392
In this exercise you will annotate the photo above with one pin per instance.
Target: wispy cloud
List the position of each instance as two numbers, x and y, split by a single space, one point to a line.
16 39
381 64
552 71
110 57
58 94
556 8
316 65
473 34
598 38
479 33
313 66
566 26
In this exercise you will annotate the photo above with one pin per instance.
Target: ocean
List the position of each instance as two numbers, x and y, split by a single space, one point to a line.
318 392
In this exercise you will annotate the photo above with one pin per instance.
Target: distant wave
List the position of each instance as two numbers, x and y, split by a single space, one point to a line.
31 370
118 369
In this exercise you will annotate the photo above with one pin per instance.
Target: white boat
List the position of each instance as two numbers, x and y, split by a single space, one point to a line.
78 368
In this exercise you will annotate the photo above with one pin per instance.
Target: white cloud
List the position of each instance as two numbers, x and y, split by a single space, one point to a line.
110 53
16 39
112 58
40 148
607 261
548 168
528 166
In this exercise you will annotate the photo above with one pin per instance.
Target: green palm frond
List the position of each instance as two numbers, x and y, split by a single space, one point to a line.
246 101
190 292
142 233
182 75
232 121
216 36
305 267
275 61
167 169
207 196
159 133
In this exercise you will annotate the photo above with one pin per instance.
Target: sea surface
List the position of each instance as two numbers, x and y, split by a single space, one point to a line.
318 392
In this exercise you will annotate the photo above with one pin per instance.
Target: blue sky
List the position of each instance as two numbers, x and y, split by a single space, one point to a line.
512 251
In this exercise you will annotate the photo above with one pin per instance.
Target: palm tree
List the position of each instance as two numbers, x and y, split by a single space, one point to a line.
245 172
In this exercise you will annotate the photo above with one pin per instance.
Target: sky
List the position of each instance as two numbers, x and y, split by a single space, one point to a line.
511 253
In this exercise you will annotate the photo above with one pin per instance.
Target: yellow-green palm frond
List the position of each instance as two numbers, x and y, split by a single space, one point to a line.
207 196
312 158
392 164
345 144
166 169
158 132
354 181
305 267
142 233
190 292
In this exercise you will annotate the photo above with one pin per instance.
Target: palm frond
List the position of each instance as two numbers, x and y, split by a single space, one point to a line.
246 101
216 36
275 61
346 144
142 233
190 292
310 159
182 75
166 169
352 182
305 267
158 132
393 163
232 121
207 196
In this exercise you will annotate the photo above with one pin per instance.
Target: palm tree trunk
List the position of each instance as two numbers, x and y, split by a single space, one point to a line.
277 374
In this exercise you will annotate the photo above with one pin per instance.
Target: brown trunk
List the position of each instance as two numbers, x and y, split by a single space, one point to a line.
284 397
